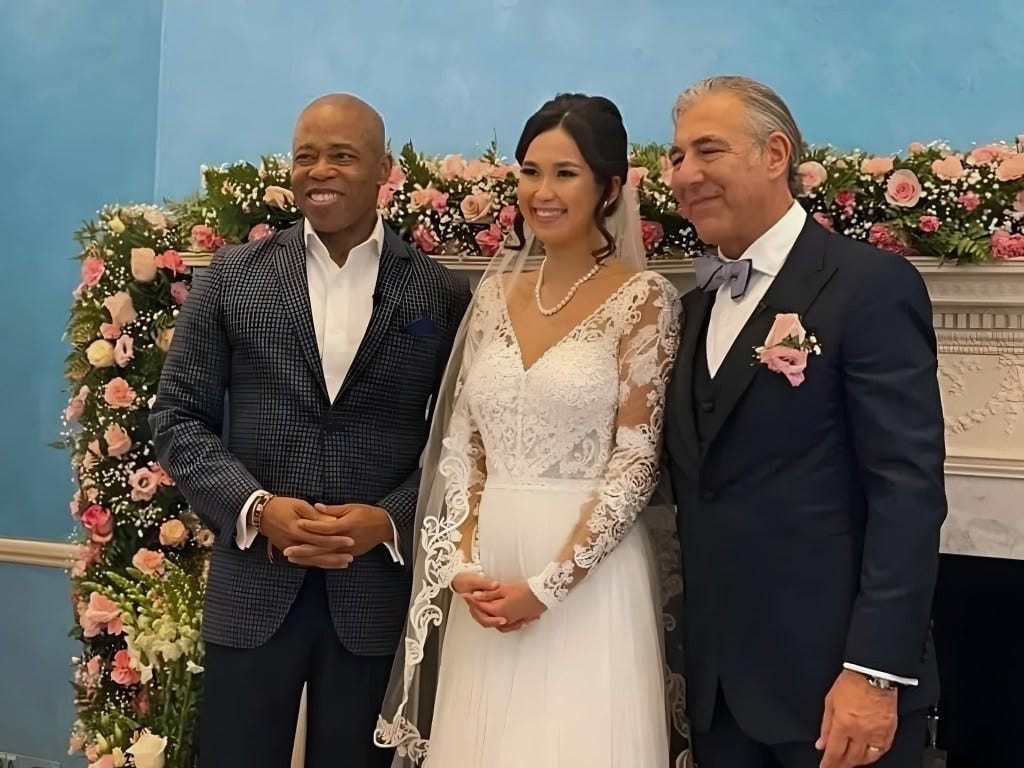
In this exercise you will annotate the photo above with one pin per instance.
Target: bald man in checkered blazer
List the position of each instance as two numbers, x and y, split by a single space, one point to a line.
329 340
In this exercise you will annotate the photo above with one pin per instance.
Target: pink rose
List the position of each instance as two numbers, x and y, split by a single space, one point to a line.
396 179
786 325
122 311
476 208
279 197
110 331
384 197
172 260
476 170
846 198
1011 168
205 239
876 166
490 240
439 201
161 474
141 703
422 197
667 169
92 271
987 154
928 223
124 350
94 666
1007 246
144 484
76 405
179 292
812 174
969 200
903 188
790 362
118 393
260 231
635 176
424 238
948 168
652 234
916 147
99 523
143 265
98 614
148 561
105 761
502 172
825 221
882 237
123 673
117 439
507 216
88 554
1018 202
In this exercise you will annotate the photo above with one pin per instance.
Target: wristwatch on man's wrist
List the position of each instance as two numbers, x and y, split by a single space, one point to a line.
256 510
882 683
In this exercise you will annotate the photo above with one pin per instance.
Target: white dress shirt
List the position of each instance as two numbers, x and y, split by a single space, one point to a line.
341 300
728 316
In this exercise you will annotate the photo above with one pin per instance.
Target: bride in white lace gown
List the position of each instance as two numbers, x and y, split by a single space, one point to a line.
552 653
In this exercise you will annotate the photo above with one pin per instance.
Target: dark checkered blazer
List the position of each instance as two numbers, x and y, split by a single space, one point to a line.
246 330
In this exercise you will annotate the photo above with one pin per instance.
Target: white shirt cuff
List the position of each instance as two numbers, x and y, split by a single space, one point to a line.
245 534
883 675
392 546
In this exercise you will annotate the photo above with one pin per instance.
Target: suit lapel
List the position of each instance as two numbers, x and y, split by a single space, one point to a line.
392 278
801 279
696 306
290 262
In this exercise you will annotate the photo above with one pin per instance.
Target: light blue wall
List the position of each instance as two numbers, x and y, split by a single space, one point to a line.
870 74
78 95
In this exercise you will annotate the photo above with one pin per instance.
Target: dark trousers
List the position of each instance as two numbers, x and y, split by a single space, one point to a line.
251 695
725 745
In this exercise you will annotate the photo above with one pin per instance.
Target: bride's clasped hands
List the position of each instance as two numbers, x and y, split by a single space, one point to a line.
505 606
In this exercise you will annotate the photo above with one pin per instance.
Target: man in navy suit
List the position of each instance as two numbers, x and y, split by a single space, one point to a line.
330 340
805 440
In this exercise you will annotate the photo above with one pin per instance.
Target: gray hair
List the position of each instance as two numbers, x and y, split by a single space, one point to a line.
766 114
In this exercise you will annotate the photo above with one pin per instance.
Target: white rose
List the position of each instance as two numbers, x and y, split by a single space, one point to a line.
148 751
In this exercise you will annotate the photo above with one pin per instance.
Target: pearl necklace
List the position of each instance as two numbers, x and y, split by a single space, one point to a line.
568 297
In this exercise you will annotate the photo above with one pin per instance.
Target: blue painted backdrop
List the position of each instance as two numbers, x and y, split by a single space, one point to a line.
122 100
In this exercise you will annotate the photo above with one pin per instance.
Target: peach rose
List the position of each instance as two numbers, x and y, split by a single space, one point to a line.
635 176
1011 168
785 326
98 614
144 484
118 393
903 188
144 265
110 331
148 561
124 350
171 260
164 337
501 172
384 197
117 439
173 533
987 154
476 208
279 197
161 474
1018 202
490 240
76 405
396 179
476 170
122 311
421 197
812 174
205 239
92 271
156 220
452 167
100 354
876 166
916 147
948 168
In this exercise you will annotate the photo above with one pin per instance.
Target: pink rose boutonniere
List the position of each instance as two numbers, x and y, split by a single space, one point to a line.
786 349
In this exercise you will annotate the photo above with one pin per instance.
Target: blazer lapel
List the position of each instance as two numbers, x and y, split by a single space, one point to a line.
794 289
696 306
392 278
290 262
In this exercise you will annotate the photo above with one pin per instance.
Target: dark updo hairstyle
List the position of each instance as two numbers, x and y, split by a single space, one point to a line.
595 124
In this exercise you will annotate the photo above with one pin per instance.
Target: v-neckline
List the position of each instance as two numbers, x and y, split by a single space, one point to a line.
571 332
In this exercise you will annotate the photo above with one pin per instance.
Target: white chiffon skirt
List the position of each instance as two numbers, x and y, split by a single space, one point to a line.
583 687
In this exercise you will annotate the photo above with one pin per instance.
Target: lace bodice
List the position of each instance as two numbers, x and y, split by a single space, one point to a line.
590 408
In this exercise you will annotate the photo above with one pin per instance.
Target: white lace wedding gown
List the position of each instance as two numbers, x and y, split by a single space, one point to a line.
551 467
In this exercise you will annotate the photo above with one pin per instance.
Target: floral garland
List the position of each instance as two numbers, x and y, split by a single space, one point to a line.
138 583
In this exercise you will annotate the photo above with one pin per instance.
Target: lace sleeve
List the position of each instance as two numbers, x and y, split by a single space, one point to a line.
647 352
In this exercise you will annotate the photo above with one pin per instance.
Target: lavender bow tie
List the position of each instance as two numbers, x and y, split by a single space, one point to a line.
713 273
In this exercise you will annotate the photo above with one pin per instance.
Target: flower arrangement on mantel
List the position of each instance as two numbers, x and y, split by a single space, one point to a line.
138 583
